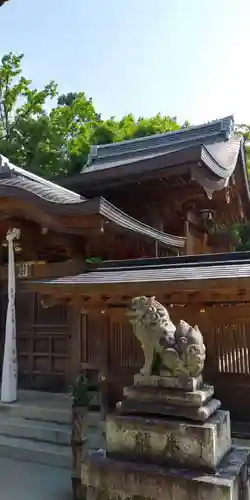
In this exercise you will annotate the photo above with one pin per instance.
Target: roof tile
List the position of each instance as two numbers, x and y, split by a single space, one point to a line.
126 152
158 273
11 175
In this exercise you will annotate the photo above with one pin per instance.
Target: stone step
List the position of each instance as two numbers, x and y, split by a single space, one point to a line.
29 395
46 412
36 452
35 430
41 412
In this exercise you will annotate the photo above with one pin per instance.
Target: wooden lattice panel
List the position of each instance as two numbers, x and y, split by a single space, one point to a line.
43 343
124 348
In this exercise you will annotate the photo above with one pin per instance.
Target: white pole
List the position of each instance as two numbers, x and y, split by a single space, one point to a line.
9 372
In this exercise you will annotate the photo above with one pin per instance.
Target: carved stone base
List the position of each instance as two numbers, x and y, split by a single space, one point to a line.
130 406
185 383
110 479
169 396
172 442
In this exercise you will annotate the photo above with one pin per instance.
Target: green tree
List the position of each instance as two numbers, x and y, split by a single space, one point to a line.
242 231
244 130
128 127
72 122
22 117
57 141
46 142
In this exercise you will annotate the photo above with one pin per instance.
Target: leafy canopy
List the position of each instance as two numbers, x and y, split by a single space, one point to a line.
51 134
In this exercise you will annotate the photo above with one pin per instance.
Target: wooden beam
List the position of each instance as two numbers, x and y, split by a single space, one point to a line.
75 335
116 300
133 288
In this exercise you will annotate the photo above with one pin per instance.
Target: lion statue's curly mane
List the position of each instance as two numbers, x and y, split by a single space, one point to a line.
166 348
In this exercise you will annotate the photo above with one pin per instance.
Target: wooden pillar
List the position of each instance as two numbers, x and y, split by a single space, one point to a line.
104 363
156 221
189 239
196 237
75 339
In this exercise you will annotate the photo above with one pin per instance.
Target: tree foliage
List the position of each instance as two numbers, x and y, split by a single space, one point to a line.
51 134
24 125
242 231
244 130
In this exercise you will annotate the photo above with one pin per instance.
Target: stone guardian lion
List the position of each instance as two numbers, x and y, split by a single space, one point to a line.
167 349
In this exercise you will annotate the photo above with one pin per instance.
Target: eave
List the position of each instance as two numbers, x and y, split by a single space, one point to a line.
27 195
211 166
183 275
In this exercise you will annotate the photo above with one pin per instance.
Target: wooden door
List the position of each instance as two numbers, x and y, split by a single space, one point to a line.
42 341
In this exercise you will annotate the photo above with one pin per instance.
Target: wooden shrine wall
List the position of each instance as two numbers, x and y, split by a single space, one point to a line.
111 347
42 341
107 344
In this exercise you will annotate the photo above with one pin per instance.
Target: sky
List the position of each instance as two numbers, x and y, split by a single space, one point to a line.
184 58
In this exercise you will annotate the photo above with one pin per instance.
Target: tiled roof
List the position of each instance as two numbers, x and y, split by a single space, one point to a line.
56 199
209 269
13 176
108 156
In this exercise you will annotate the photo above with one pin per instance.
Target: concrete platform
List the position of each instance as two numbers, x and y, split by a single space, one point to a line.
36 452
26 481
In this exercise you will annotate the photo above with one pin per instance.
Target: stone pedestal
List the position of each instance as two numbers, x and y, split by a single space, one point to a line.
109 479
167 440
168 396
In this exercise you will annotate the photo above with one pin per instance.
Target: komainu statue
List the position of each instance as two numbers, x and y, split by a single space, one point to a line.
176 351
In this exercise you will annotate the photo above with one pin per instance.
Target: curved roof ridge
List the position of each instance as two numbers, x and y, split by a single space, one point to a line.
164 134
7 168
224 127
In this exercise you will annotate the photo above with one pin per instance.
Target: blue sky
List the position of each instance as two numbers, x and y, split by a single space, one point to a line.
184 58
